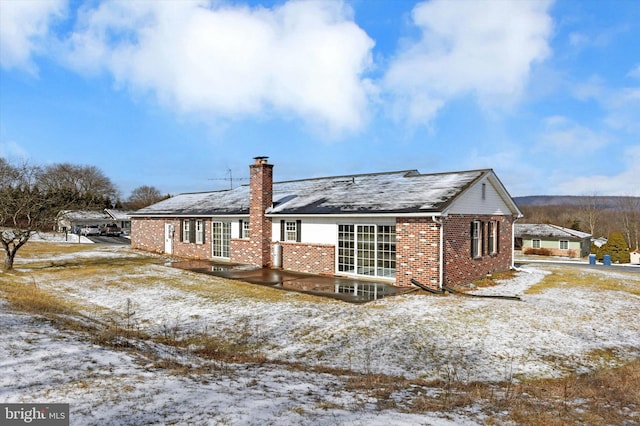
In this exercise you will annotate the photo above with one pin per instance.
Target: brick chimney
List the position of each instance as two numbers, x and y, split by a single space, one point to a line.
261 198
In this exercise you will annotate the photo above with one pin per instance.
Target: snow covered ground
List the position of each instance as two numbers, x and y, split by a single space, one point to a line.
548 334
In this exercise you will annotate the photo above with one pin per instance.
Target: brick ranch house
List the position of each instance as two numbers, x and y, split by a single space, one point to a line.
450 228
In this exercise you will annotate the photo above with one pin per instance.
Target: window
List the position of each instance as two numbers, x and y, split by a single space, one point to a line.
367 250
245 229
291 230
476 239
199 231
564 245
492 237
535 243
365 242
346 246
220 236
386 251
186 231
192 231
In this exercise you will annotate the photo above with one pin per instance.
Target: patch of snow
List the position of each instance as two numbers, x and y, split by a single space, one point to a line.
547 334
59 237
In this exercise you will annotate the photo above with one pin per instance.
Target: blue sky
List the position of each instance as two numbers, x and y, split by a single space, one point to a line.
180 94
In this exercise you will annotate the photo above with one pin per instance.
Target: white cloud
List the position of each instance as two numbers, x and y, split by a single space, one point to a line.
561 135
621 104
627 182
483 48
23 25
624 110
303 59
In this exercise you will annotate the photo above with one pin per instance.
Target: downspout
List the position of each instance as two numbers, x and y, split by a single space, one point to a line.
513 242
441 252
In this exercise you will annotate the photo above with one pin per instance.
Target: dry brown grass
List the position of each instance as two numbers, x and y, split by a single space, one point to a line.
608 396
493 279
593 280
29 297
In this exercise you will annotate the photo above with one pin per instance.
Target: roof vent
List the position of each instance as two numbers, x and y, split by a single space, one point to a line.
261 160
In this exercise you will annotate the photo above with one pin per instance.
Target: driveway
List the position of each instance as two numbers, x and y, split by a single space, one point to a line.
103 239
582 264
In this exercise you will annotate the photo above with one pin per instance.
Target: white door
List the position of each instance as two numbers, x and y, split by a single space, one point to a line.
220 237
168 238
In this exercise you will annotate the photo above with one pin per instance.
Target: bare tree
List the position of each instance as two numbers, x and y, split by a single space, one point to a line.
590 211
144 196
24 207
630 215
86 186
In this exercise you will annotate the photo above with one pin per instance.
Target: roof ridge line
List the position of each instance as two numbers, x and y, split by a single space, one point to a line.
353 175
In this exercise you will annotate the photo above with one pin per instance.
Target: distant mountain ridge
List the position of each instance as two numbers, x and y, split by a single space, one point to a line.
604 202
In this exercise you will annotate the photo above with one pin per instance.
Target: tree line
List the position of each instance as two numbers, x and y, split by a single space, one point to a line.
592 215
31 197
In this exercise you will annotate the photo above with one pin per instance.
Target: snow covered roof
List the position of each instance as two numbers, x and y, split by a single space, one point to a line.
106 214
405 191
76 215
119 214
544 230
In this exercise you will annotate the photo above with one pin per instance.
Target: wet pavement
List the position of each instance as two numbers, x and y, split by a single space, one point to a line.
346 289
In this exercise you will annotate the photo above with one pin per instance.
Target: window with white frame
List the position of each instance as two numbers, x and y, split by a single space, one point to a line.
535 243
492 237
476 239
290 230
564 245
199 231
246 229
346 248
367 250
186 231
386 252
220 237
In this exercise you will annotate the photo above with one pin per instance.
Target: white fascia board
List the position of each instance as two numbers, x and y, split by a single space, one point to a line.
199 216
348 215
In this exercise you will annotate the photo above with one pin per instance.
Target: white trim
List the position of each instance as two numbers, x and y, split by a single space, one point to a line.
441 251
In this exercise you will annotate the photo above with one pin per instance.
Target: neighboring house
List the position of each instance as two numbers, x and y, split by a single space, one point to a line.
635 257
72 220
553 240
121 218
450 228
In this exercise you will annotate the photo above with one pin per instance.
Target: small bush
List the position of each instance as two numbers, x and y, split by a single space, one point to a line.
537 251
617 248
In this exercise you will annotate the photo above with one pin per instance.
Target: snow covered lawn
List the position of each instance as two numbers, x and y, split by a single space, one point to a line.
554 331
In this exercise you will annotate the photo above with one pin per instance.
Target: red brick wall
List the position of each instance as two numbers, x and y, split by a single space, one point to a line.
244 251
193 250
417 251
311 258
460 267
148 234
